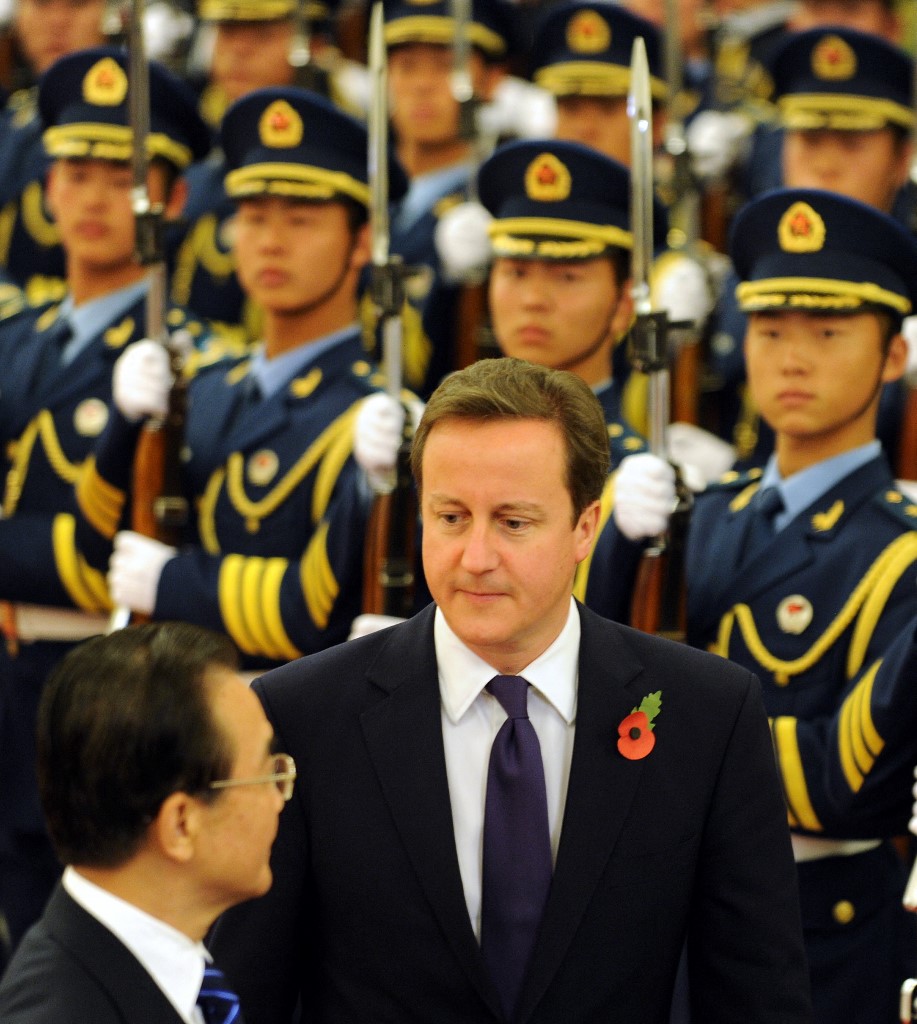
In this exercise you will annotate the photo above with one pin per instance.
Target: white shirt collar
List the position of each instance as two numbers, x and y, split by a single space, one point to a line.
463 675
173 960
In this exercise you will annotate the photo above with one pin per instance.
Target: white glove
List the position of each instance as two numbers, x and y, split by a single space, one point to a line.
644 496
363 625
702 457
135 569
716 141
681 287
141 381
518 109
164 27
377 436
462 243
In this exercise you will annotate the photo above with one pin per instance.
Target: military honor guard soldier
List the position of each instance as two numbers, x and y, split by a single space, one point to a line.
55 378
440 162
251 50
30 244
273 555
806 572
845 119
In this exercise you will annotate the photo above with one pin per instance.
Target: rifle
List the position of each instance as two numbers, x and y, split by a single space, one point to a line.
309 74
159 508
658 604
388 571
906 462
684 217
472 300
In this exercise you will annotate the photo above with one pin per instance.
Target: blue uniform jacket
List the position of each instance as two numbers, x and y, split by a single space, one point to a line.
274 553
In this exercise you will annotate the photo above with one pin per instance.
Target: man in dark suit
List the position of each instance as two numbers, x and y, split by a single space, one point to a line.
162 794
649 817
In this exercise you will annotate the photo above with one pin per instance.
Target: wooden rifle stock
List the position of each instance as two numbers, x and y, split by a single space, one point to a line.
391 539
658 604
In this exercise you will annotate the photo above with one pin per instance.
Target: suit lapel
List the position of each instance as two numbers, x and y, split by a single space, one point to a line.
404 738
112 966
602 787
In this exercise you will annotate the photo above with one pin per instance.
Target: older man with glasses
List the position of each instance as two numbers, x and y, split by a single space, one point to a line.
162 791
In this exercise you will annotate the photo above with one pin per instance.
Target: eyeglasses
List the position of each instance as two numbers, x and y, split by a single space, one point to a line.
283 776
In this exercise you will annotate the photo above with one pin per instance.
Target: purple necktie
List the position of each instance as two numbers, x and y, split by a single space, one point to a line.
517 845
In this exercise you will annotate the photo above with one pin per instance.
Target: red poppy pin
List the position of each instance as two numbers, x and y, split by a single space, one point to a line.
636 731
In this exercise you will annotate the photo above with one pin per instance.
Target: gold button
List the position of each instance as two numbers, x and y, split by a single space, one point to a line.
843 912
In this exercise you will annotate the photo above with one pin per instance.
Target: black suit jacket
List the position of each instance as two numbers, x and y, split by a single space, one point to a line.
367 921
70 969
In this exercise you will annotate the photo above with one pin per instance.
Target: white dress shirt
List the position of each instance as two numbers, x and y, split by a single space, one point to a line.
471 718
173 960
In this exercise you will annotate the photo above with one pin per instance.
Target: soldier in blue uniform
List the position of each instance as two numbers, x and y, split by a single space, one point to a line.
559 286
439 161
844 102
559 292
806 571
274 552
30 248
55 384
251 50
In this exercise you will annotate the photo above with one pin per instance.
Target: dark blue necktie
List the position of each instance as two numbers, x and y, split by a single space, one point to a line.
517 866
218 1003
766 506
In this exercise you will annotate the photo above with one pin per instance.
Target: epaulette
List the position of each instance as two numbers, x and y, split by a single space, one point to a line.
625 438
447 203
23 105
12 300
733 480
899 504
214 353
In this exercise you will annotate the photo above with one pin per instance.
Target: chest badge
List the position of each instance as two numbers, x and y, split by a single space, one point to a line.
794 613
262 467
90 417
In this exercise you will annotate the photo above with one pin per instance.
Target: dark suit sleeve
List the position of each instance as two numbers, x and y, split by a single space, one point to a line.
263 945
745 965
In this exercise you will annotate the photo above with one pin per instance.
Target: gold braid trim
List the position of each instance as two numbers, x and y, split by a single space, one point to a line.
858 741
904 554
789 759
42 426
85 585
892 561
257 605
199 249
100 502
206 523
581 580
317 578
339 451
7 223
229 595
255 511
274 573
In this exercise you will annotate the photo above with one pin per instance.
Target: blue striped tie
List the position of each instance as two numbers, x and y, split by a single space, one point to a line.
218 1003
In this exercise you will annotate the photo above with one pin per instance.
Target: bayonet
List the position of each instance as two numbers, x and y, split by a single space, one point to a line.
648 335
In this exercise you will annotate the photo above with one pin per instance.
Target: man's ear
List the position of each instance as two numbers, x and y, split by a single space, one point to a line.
175 828
896 359
51 190
178 196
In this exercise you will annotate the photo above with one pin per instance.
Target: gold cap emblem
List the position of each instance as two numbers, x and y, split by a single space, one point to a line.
280 126
547 179
588 32
833 59
105 83
801 229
